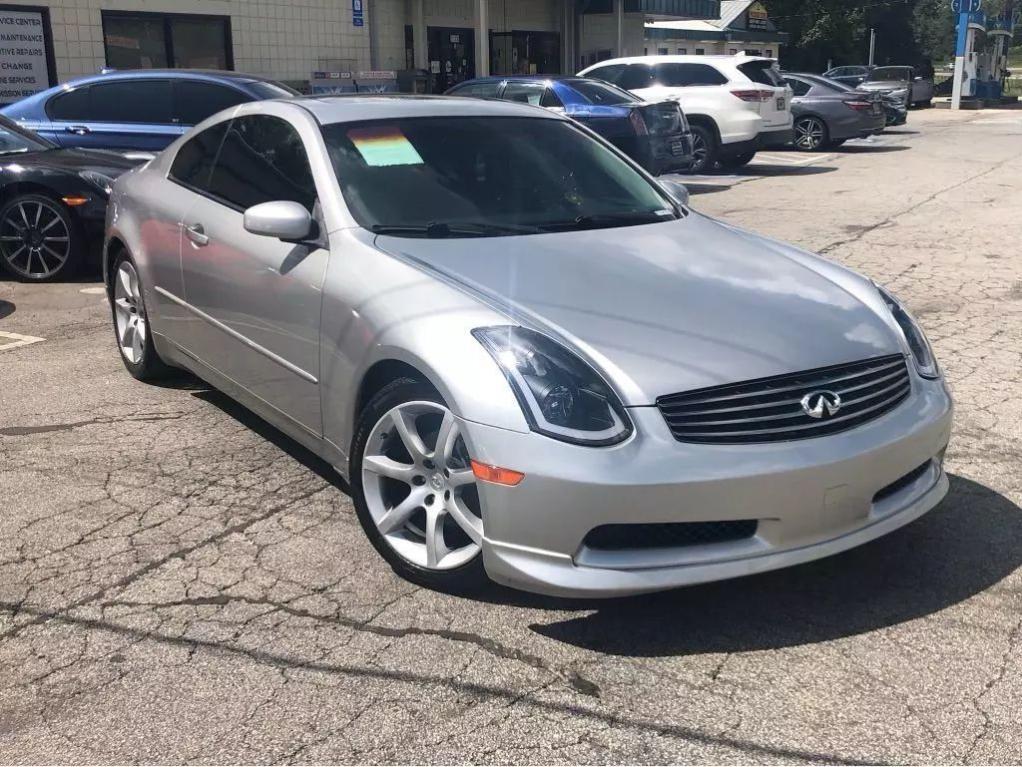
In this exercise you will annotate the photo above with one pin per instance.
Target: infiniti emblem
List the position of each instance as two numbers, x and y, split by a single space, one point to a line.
821 404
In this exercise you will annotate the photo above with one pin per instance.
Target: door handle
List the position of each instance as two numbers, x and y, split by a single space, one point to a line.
78 130
197 234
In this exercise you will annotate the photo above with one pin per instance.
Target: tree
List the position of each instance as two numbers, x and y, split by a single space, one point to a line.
934 29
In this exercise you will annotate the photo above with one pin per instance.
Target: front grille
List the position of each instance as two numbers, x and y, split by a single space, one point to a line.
663 119
668 535
770 409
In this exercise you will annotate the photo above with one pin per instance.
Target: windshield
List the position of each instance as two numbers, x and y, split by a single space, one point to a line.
268 90
15 140
889 74
602 93
486 176
826 82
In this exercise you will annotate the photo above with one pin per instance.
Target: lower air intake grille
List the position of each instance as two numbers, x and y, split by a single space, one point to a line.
771 409
668 535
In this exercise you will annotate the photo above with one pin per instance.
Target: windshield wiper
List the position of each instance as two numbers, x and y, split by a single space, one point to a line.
441 229
604 220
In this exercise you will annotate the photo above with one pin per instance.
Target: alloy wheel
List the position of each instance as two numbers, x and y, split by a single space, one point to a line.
419 486
129 312
34 239
700 152
809 134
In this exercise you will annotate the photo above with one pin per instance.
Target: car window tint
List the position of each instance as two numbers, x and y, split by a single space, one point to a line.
681 75
524 93
70 105
636 76
611 73
551 99
762 72
194 101
194 162
262 159
797 86
130 101
478 90
601 93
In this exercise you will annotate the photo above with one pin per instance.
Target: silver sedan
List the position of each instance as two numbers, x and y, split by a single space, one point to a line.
529 359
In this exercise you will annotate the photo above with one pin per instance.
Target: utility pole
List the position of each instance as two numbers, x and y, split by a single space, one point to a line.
872 44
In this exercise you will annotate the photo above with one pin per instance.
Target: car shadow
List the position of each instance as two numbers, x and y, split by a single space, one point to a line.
871 149
970 542
7 308
766 169
697 187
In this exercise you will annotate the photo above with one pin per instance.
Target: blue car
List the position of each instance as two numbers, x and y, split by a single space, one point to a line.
138 109
655 135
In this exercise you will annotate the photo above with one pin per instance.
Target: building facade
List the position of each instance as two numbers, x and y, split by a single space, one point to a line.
43 42
742 26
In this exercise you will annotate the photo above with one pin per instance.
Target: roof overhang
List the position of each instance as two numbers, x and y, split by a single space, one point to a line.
731 35
680 9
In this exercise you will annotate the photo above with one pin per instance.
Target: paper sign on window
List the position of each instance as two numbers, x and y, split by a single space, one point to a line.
384 145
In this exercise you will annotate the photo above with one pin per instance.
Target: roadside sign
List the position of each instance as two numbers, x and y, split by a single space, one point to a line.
357 14
966 6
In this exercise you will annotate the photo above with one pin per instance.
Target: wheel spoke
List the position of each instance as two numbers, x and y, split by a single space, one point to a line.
445 439
28 261
128 336
59 256
56 220
436 546
123 308
461 477
408 434
398 517
42 260
14 255
388 467
466 520
24 215
124 279
136 343
140 329
38 213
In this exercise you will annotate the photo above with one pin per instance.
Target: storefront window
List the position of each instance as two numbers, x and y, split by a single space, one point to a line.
158 40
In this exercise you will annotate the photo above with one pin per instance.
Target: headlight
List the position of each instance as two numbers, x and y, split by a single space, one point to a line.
926 363
561 396
98 180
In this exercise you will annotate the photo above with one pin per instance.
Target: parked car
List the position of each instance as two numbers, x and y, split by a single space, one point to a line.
849 75
531 361
902 83
656 136
826 116
52 203
140 109
735 104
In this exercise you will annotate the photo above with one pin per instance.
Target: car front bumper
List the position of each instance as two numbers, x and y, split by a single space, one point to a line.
810 498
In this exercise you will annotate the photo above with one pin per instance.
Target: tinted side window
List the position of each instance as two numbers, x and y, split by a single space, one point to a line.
194 162
761 72
262 159
636 76
678 75
797 86
610 73
130 101
71 105
524 93
478 90
194 101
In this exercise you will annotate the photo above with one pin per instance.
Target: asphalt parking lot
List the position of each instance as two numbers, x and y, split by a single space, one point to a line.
179 582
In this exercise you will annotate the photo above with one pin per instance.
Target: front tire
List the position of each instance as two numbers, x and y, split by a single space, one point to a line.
414 490
39 240
131 323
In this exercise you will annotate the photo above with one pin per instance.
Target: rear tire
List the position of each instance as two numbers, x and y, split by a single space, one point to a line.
811 134
704 150
416 498
737 161
131 323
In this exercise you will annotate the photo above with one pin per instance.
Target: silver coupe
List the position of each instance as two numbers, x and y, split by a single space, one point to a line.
530 360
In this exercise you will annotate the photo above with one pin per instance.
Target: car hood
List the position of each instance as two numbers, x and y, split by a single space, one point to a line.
669 307
102 161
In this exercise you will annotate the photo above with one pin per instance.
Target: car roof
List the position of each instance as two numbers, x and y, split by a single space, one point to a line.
174 74
354 108
682 59
523 78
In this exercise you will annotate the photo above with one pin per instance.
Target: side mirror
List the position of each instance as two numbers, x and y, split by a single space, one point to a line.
676 190
283 219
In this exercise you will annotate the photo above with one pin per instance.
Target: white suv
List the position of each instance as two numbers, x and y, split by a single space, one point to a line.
735 104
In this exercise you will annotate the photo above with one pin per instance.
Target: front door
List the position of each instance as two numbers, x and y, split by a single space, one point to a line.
452 56
257 298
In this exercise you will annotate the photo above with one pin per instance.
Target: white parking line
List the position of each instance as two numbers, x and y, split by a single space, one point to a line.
98 291
16 340
789 160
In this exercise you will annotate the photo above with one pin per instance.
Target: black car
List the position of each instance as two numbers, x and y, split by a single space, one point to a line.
655 135
52 202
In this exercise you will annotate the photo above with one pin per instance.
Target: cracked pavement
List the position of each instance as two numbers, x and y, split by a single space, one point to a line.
181 583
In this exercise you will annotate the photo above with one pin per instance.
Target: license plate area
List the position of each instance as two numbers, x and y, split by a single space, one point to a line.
780 104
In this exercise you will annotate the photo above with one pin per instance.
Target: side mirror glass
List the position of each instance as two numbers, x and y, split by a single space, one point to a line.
283 219
677 191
